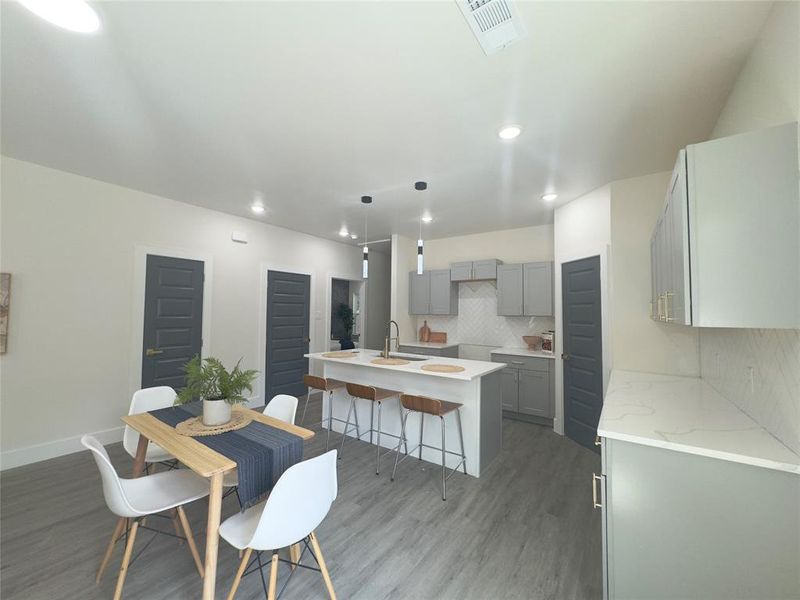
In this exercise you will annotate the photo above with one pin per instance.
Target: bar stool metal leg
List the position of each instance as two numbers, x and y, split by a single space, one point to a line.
308 397
330 419
403 420
346 425
461 440
371 420
421 423
444 466
378 453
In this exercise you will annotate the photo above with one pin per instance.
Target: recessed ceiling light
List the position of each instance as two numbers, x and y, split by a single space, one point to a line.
353 236
258 209
343 232
509 133
427 218
549 197
75 15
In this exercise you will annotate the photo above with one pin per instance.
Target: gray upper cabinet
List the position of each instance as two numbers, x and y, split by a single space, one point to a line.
444 293
725 251
509 290
525 290
461 271
419 293
538 289
432 293
476 270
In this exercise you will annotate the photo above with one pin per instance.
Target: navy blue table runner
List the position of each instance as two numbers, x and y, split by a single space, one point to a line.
261 452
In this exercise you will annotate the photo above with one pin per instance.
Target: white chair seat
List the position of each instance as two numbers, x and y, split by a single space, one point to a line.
230 479
238 530
156 453
165 490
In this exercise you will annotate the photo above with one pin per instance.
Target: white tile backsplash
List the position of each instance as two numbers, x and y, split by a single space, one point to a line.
773 397
477 322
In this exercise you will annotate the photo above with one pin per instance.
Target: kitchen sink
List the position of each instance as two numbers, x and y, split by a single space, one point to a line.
407 357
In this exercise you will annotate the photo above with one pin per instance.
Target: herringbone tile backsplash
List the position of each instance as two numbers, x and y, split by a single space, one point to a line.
477 322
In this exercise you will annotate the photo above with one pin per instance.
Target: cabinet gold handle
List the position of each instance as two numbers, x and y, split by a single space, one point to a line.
153 352
667 303
597 440
595 479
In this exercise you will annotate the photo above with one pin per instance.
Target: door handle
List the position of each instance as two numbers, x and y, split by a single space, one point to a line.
564 356
595 479
153 352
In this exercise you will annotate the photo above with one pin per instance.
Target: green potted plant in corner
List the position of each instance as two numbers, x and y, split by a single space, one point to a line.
345 314
208 380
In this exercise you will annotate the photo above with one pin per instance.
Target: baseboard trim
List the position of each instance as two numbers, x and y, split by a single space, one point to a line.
39 452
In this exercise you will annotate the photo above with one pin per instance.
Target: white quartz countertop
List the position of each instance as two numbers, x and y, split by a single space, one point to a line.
437 345
686 414
362 358
524 352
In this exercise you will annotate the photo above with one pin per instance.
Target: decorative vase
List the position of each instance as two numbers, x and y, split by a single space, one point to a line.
216 412
424 332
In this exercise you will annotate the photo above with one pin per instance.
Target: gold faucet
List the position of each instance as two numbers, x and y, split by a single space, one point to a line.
387 342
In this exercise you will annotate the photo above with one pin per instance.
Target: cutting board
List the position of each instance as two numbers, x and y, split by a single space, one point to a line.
438 337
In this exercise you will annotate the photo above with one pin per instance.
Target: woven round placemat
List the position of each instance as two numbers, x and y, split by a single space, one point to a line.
194 427
443 368
342 354
389 361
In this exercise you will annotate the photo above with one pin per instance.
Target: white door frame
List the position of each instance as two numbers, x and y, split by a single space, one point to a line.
362 293
140 253
261 385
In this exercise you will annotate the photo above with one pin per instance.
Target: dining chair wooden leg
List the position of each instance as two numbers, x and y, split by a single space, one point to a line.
110 550
273 576
322 567
126 558
187 531
239 573
294 555
212 536
177 527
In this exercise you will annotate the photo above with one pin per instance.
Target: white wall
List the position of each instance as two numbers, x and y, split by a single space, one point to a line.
404 260
526 244
766 93
379 286
582 228
639 343
70 244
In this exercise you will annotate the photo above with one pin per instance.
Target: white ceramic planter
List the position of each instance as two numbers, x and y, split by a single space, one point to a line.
216 412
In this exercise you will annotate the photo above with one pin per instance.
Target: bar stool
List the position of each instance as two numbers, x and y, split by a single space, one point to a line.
375 396
320 384
437 408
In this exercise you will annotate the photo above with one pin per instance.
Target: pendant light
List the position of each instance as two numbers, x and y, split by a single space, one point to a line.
420 186
365 200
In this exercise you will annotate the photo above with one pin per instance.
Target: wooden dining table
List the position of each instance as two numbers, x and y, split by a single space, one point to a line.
205 462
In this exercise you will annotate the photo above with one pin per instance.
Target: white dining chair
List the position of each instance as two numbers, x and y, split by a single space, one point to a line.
145 400
134 499
283 407
297 505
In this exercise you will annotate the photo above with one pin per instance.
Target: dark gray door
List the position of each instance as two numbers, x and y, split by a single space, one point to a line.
583 349
288 306
173 319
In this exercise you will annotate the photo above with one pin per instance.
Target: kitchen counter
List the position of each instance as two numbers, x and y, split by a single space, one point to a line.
525 352
435 345
687 415
363 358
476 389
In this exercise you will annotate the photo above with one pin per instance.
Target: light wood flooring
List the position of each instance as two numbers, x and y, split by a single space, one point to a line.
525 529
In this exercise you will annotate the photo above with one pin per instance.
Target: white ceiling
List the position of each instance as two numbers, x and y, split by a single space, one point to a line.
313 104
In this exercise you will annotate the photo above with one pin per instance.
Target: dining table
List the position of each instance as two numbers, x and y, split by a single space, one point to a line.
206 463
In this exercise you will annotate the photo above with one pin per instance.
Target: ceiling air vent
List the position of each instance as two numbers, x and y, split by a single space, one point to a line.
495 23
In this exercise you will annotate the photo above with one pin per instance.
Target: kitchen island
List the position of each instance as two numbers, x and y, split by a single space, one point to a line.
477 388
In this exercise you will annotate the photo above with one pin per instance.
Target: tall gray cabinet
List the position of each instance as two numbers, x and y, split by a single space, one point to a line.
432 293
525 289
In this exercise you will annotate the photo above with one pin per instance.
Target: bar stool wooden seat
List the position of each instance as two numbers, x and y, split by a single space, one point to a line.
323 385
437 408
376 396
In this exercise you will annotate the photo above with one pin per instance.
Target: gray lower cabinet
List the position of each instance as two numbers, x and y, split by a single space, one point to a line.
449 351
679 525
525 290
526 385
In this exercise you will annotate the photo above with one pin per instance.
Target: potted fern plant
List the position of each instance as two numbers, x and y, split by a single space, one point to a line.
208 380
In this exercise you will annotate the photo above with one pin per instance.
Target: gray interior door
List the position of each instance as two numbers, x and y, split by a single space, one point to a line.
583 349
173 319
288 308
